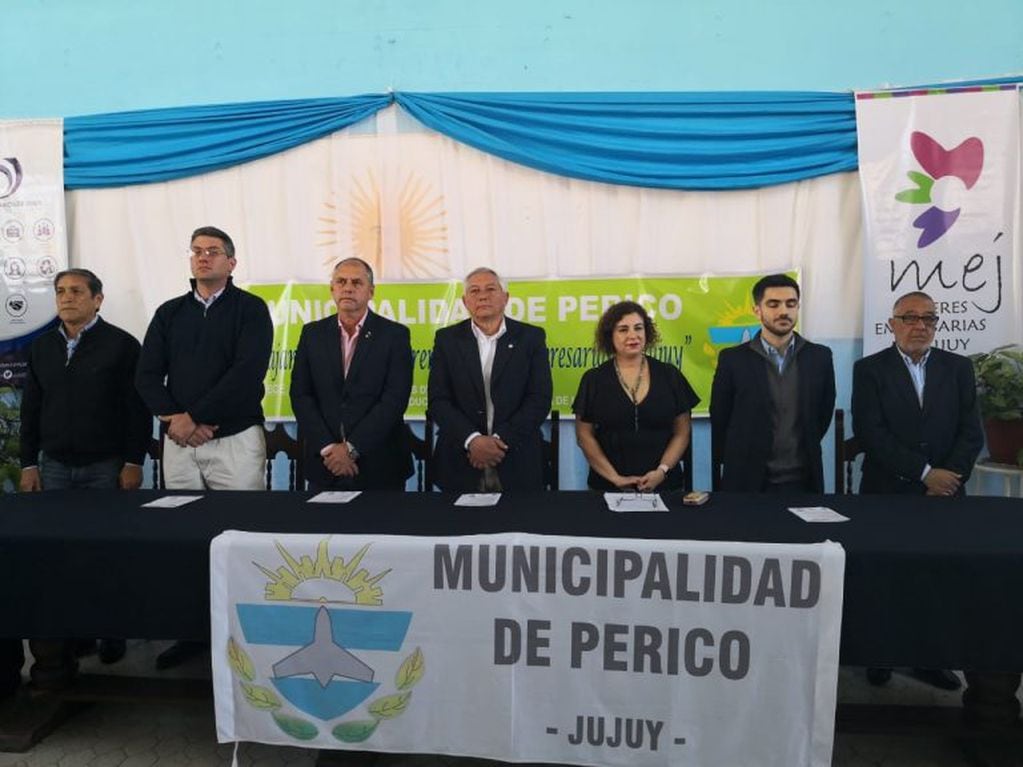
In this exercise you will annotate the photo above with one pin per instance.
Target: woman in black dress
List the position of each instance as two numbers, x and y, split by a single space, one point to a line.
632 412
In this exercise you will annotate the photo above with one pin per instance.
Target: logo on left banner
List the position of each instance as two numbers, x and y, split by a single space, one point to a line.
10 176
964 163
320 646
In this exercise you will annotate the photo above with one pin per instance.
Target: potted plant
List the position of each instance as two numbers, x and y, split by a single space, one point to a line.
999 375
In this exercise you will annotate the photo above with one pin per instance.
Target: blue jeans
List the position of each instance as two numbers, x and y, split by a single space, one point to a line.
101 475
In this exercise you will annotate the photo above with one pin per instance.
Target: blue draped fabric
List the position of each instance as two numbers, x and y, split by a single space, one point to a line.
669 140
699 140
140 147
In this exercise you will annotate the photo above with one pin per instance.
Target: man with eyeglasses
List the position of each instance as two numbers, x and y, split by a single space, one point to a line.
201 373
915 411
349 389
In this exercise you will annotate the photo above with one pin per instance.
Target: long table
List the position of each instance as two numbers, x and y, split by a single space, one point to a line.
929 581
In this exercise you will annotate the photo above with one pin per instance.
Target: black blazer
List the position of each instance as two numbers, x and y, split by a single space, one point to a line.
899 436
742 432
371 402
520 388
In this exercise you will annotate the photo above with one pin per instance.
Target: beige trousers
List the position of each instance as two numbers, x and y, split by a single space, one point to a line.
237 462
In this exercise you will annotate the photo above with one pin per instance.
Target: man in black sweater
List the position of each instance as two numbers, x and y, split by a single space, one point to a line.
201 372
83 425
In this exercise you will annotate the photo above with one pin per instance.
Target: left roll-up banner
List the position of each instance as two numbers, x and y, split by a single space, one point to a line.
33 248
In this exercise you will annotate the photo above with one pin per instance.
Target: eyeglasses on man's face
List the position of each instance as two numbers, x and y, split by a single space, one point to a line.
196 252
929 320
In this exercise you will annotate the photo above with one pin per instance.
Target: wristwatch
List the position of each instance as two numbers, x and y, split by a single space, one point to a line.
664 469
352 452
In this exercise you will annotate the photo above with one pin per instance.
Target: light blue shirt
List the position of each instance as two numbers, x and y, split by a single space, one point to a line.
72 343
207 302
775 356
918 372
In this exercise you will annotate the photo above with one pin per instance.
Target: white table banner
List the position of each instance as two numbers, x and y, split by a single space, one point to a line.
529 648
939 171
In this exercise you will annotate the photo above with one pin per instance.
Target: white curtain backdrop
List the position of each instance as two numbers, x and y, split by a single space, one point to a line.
418 205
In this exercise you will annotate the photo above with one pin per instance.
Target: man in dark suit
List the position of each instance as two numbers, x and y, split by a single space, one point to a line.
349 390
915 409
489 392
915 412
772 400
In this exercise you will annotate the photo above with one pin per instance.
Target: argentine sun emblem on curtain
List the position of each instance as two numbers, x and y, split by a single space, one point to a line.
306 648
386 206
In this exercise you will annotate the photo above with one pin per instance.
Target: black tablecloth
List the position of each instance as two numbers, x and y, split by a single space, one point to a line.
929 581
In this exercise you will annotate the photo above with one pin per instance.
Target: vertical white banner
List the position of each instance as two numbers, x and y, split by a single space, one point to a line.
33 243
939 171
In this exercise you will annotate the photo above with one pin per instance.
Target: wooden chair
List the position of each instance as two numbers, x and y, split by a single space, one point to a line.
422 454
715 473
846 452
279 441
551 447
687 466
155 453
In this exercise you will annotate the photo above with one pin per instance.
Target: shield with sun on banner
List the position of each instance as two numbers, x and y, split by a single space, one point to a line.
316 639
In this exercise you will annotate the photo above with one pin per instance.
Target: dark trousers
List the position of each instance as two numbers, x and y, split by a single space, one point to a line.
793 487
12 658
346 483
61 665
101 475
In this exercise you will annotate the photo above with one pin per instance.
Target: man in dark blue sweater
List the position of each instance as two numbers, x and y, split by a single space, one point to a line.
201 372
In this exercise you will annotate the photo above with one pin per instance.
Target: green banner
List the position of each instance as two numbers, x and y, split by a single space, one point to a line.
695 316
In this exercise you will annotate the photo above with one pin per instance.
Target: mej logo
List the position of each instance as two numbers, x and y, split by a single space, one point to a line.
313 640
964 163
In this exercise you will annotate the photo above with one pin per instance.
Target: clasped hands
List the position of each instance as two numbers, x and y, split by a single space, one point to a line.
943 482
485 451
646 483
338 460
187 433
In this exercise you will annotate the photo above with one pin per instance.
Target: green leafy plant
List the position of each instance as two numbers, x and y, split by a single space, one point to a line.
999 375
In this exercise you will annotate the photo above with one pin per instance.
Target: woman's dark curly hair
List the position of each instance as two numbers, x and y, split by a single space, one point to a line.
606 326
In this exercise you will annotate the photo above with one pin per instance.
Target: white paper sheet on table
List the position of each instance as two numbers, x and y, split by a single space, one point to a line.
817 514
171 501
478 499
335 496
634 502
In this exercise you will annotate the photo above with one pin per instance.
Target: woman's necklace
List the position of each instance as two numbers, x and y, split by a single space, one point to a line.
632 390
